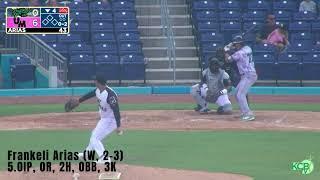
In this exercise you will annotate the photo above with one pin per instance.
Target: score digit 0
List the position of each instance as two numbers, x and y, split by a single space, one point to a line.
35 12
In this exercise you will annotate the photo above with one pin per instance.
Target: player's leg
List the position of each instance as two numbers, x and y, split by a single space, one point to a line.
102 129
241 92
224 104
199 93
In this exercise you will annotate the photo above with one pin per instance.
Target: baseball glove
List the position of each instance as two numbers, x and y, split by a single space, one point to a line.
71 104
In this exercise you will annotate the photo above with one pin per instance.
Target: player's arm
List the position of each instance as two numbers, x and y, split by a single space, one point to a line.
227 82
113 102
87 96
234 57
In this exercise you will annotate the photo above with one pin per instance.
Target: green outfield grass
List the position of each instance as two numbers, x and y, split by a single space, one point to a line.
11 110
262 155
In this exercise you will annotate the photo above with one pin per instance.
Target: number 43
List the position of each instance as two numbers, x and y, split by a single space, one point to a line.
63 30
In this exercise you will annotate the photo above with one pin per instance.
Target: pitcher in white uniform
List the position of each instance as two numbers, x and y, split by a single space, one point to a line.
109 113
212 89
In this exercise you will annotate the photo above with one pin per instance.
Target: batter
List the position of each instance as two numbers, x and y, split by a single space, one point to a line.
244 60
213 89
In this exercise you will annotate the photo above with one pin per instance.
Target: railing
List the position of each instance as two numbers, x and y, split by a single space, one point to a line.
168 32
40 54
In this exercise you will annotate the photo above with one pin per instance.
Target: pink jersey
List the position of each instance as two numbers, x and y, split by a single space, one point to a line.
243 57
276 37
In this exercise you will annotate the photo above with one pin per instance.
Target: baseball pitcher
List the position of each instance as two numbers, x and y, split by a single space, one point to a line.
109 113
212 89
244 60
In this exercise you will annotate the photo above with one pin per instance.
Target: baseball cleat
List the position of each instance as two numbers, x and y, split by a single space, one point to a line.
204 111
248 118
198 108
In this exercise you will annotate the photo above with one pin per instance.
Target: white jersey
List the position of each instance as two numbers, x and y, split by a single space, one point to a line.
104 107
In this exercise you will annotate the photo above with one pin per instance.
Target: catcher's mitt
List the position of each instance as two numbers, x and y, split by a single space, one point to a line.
71 104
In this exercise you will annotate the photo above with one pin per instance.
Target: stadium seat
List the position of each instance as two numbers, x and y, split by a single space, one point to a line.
254 16
231 26
80 16
282 16
250 38
78 6
123 5
289 5
211 37
211 47
265 48
108 66
300 47
126 26
132 67
264 5
252 26
300 36
62 48
130 47
316 27
230 16
205 15
265 66
48 38
79 26
102 37
80 48
311 66
106 48
102 26
124 16
304 16
203 5
101 16
22 73
128 36
20 60
316 48
229 5
300 26
204 26
289 67
69 38
81 67
99 6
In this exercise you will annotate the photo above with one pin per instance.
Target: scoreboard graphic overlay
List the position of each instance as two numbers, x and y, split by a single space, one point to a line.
37 20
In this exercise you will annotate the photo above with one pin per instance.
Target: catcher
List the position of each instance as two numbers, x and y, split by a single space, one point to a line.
213 89
109 113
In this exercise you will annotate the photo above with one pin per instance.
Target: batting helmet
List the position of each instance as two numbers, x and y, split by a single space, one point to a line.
237 39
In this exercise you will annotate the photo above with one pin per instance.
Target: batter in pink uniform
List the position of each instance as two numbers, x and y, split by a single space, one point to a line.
243 58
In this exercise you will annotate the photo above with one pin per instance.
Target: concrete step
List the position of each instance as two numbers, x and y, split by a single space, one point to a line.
162 52
158 2
166 74
156 9
162 63
155 20
161 41
157 30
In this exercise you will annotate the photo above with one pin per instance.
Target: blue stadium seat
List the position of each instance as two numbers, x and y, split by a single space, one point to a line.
205 15
48 38
254 16
102 26
289 5
265 48
80 48
251 25
250 38
99 6
204 26
264 5
128 36
69 38
316 26
230 16
106 48
203 5
80 16
132 67
4 4
130 47
229 5
62 48
123 5
79 26
126 26
20 60
102 37
108 66
81 67
300 36
23 73
289 67
78 6
211 37
311 66
211 47
81 57
282 15
265 66
300 26
124 16
316 48
300 47
231 26
304 16
101 16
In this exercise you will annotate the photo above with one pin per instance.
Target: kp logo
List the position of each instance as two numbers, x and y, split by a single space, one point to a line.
305 166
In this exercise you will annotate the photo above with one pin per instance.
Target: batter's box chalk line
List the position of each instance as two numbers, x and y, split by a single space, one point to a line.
110 176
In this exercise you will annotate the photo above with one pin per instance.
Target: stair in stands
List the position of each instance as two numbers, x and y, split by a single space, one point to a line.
155 43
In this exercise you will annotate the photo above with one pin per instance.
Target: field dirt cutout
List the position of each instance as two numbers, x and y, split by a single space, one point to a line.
158 120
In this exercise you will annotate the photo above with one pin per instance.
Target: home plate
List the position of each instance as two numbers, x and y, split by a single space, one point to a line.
110 176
